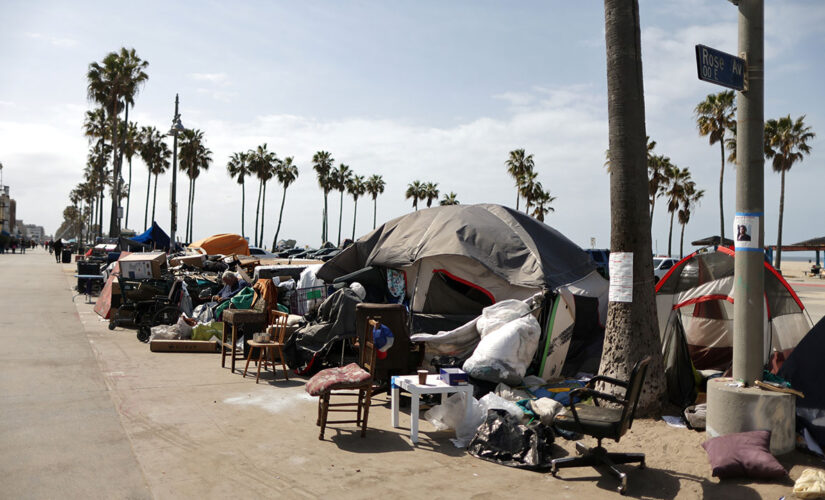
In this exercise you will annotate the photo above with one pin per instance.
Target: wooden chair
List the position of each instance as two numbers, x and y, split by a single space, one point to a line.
602 422
266 350
347 381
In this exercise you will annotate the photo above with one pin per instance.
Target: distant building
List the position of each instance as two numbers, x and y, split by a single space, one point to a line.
34 232
5 209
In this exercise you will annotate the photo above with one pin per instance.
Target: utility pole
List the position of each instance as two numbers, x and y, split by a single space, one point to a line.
749 282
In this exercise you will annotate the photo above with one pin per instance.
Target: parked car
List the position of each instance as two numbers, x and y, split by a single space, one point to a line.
261 253
661 266
601 256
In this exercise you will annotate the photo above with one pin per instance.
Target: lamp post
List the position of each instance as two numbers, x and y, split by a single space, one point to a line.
177 126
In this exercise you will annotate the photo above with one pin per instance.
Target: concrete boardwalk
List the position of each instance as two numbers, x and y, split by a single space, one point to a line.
90 413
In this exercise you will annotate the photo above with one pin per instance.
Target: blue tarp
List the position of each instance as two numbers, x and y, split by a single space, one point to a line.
154 236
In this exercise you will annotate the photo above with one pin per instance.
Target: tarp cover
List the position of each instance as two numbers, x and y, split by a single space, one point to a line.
225 244
154 236
511 244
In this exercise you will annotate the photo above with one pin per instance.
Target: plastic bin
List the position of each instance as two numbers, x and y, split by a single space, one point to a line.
66 258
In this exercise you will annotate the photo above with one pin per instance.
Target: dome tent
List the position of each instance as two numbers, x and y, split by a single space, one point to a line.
458 259
695 299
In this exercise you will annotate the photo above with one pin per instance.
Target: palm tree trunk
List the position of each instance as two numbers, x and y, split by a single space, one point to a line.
721 185
188 208
243 207
778 264
324 221
129 187
354 213
374 209
192 211
263 216
682 244
114 227
258 210
670 235
148 186
652 206
280 217
154 197
340 215
631 332
517 198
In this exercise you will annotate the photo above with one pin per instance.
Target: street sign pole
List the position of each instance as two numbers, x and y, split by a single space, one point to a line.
748 300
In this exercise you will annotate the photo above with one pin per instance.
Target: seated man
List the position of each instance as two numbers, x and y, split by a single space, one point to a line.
231 286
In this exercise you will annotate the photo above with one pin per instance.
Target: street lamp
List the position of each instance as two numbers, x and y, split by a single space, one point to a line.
177 127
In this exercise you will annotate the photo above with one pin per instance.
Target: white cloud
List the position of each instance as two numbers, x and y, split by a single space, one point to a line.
215 78
54 40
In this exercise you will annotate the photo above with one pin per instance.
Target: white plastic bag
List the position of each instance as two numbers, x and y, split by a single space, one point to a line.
451 415
503 354
499 314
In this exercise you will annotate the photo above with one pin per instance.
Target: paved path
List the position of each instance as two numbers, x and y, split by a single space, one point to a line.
60 434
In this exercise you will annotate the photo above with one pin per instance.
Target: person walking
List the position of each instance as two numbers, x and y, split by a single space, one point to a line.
58 249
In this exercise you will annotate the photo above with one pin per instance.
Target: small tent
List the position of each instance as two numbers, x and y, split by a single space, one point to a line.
695 299
453 261
154 237
225 244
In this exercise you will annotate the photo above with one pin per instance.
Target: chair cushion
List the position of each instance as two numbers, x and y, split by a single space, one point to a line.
597 421
343 377
743 454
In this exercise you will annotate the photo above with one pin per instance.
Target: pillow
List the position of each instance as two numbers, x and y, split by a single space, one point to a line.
337 378
743 454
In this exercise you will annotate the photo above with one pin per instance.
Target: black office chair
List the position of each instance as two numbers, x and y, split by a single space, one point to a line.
601 422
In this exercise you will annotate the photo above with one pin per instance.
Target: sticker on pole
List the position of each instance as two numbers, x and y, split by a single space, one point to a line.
746 232
621 277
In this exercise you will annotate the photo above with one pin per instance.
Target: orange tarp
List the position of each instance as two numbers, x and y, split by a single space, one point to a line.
225 244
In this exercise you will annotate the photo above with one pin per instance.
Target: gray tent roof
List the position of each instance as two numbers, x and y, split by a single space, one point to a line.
510 244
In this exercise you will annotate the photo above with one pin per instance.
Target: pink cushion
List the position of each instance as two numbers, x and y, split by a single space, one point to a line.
743 454
337 378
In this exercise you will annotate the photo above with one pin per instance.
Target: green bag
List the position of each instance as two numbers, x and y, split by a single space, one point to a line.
206 331
242 300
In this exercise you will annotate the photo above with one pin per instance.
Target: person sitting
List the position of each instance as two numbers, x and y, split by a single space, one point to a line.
231 286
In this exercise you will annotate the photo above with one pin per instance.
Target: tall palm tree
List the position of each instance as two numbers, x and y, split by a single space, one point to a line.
130 144
518 165
677 180
431 192
322 163
415 190
541 202
690 199
715 116
657 171
528 187
287 173
238 168
155 154
194 157
786 141
341 177
375 186
449 199
262 164
356 186
117 78
96 130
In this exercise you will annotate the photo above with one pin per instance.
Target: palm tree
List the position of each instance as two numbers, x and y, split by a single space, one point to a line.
541 202
690 199
193 157
262 164
449 199
341 177
528 187
431 192
415 190
238 168
287 173
356 186
322 163
518 165
677 180
375 186
155 154
130 144
118 77
96 130
786 141
714 116
657 171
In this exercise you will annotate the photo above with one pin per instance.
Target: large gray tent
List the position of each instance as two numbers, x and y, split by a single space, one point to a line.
458 259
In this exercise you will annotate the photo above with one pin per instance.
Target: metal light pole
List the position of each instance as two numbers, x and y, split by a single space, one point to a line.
176 127
748 300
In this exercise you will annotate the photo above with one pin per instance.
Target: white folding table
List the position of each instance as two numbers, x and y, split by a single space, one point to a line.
434 385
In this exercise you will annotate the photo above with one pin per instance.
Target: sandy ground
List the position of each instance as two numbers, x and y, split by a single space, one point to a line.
196 430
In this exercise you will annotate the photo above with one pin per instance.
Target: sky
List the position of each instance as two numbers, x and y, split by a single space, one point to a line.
431 90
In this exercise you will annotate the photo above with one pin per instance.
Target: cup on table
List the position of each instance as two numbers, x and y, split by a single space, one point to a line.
422 377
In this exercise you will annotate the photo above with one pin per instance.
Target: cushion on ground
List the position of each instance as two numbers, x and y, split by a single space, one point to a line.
337 378
744 454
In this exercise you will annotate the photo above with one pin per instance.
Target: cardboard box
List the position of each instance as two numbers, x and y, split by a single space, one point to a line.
454 376
184 346
191 260
142 265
